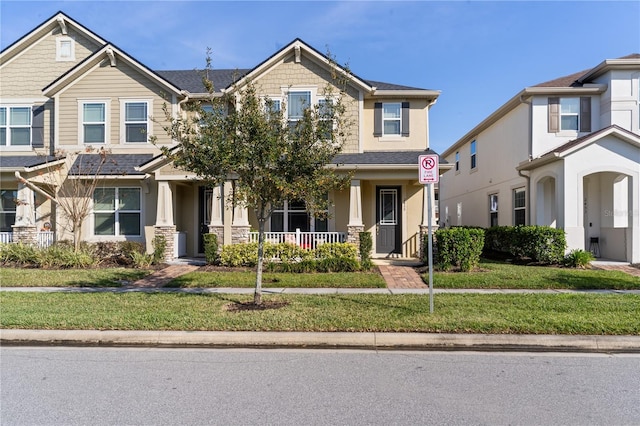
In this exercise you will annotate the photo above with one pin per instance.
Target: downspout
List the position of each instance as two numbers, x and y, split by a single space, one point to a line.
529 156
30 185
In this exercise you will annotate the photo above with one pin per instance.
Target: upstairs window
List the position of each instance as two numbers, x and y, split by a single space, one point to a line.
457 161
472 149
325 122
136 121
391 119
297 102
94 122
15 126
569 114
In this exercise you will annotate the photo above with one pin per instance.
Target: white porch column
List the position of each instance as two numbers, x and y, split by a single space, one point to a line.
216 226
25 211
164 212
355 225
164 218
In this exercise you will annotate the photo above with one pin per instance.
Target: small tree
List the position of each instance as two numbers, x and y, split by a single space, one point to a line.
70 182
245 138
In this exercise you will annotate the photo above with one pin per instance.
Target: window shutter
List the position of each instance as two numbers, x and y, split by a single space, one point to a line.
554 115
37 126
405 119
377 119
585 114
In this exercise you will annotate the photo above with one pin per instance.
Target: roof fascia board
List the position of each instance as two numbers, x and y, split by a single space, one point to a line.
432 94
591 89
546 159
41 30
279 56
95 59
609 64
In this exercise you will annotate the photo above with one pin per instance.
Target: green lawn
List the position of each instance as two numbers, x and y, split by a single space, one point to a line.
271 280
500 275
107 277
454 313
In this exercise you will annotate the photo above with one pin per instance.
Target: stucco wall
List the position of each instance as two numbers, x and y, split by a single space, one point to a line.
417 139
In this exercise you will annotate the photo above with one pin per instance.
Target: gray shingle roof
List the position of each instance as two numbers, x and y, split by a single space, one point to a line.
115 164
17 161
571 80
384 157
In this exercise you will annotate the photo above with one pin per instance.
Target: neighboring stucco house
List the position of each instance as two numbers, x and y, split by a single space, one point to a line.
564 153
65 88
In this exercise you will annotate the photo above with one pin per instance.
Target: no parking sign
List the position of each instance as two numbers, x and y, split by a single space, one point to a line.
428 169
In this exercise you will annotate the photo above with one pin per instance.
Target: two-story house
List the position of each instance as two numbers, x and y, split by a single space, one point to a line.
65 89
564 153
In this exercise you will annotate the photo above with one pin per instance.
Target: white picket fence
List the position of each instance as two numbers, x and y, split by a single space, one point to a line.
45 238
306 240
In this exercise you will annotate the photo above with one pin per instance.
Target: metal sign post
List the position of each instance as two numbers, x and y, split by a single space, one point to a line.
429 174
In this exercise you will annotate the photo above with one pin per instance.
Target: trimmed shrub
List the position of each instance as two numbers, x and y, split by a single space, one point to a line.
159 244
329 250
366 245
210 248
18 253
458 248
579 259
245 254
538 243
286 252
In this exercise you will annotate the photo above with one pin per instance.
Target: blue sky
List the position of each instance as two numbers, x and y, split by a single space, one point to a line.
479 54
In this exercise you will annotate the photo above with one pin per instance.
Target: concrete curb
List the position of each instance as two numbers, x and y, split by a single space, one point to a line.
338 340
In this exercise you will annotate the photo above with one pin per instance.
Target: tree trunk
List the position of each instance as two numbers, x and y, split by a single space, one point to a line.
257 295
77 230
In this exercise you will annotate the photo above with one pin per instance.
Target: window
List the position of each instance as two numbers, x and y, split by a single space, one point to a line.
325 113
7 209
94 122
569 114
493 210
116 211
136 121
457 161
15 126
293 215
473 154
65 49
519 207
391 118
297 102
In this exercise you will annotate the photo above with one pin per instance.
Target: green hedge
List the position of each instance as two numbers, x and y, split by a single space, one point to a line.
366 245
538 243
210 247
457 248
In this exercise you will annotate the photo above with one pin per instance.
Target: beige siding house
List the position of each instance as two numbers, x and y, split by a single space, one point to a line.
67 93
564 153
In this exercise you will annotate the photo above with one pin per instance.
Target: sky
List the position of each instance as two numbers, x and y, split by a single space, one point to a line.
479 54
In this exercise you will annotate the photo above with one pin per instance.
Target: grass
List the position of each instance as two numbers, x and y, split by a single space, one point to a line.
500 275
453 313
247 279
106 277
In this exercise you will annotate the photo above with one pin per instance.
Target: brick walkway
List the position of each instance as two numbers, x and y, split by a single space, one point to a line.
163 276
628 269
401 276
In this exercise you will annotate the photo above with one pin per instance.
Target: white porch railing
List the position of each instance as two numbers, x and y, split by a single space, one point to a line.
45 238
306 240
6 237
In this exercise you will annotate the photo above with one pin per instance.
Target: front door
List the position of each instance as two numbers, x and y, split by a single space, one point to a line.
204 214
388 224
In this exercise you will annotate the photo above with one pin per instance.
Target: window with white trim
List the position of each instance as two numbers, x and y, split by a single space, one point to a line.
94 122
297 102
472 150
15 126
519 206
457 161
65 49
117 212
391 119
135 124
493 210
569 113
8 208
292 215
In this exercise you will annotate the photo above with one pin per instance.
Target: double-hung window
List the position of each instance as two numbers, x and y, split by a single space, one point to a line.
117 212
519 206
473 151
325 117
297 102
94 122
136 121
15 126
569 114
7 209
493 210
392 119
